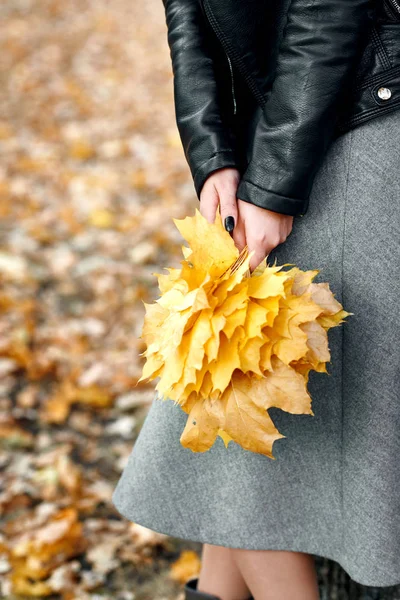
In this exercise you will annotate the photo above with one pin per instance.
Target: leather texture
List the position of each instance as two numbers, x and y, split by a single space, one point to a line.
192 593
266 86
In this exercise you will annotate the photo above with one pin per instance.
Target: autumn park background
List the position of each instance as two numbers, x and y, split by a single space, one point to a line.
91 174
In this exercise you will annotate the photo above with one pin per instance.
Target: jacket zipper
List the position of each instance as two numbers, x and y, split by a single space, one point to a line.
395 5
232 84
233 54
210 20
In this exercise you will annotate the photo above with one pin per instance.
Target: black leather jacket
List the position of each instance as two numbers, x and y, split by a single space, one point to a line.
266 85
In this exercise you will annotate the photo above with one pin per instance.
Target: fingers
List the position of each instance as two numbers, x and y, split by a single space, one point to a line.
228 205
209 201
262 242
239 234
261 229
220 189
264 230
259 255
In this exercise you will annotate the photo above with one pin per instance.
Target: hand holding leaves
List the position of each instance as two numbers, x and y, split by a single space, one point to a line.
227 345
258 228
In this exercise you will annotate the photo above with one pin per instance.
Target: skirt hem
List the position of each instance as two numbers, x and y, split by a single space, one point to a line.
305 547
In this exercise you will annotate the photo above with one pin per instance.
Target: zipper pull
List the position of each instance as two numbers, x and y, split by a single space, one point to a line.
232 84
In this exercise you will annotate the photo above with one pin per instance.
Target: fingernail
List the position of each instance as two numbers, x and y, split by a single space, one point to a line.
229 223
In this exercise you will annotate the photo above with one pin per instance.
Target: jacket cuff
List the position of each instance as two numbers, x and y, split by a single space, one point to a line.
252 193
219 160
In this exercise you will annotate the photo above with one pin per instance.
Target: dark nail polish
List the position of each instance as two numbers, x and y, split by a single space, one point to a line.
229 223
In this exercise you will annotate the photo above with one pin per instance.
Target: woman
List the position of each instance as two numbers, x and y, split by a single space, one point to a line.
299 143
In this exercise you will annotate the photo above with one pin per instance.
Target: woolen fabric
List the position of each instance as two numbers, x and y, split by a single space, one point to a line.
334 488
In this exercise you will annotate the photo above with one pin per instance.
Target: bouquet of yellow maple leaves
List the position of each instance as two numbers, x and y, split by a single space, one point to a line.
227 345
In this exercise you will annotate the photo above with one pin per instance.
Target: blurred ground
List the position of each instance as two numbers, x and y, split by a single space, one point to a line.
91 174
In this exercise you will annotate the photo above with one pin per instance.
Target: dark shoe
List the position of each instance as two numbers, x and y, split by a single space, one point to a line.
192 593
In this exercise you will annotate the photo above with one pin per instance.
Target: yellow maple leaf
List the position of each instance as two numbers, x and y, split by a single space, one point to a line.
213 249
227 345
241 412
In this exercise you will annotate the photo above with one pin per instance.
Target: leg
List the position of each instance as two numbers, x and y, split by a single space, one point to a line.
272 574
219 574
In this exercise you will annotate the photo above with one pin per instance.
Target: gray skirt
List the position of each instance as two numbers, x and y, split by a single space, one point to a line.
334 488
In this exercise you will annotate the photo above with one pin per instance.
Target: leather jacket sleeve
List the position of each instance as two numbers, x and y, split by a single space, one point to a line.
321 44
207 141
